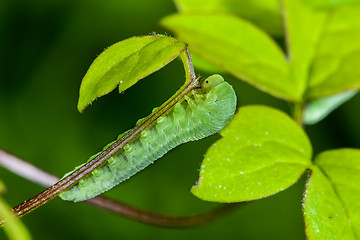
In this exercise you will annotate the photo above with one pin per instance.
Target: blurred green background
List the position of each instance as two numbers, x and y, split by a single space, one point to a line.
45 49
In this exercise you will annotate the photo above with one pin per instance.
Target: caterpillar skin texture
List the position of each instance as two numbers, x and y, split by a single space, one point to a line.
201 112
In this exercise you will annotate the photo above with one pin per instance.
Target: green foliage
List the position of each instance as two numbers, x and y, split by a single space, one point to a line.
301 46
14 228
324 214
334 67
264 14
125 63
319 70
328 4
247 52
322 48
261 153
342 170
331 204
257 11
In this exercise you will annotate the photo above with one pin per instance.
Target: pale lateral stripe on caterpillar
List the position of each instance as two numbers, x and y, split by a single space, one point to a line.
202 110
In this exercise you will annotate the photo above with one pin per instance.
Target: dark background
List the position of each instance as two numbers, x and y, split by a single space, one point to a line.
45 49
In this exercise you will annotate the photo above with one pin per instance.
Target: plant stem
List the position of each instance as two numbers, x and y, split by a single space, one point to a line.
32 173
56 187
298 113
159 219
103 156
188 65
26 170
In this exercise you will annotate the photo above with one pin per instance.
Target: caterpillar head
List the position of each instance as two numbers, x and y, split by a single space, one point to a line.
212 81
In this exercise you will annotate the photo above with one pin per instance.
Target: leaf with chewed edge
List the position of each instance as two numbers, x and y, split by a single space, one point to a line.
262 152
126 62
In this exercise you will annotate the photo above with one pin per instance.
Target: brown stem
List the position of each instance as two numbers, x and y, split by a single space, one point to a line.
26 170
32 173
56 187
87 168
188 65
159 219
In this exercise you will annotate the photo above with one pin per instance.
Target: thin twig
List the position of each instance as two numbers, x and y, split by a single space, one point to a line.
34 174
188 65
26 170
81 172
160 220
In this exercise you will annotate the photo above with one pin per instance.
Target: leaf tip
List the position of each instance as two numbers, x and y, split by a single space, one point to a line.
82 105
80 109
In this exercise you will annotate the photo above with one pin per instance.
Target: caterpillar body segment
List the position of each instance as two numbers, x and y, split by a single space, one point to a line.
201 111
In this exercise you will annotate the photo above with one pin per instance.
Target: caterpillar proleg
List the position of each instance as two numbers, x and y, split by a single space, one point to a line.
200 108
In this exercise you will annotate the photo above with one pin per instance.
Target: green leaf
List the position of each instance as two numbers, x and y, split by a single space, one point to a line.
125 63
335 67
199 5
262 152
317 110
332 197
324 214
264 14
328 4
237 46
303 30
342 167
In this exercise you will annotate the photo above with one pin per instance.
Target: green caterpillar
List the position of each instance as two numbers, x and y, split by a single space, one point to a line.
201 108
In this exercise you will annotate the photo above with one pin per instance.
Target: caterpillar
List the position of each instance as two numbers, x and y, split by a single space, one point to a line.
200 108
